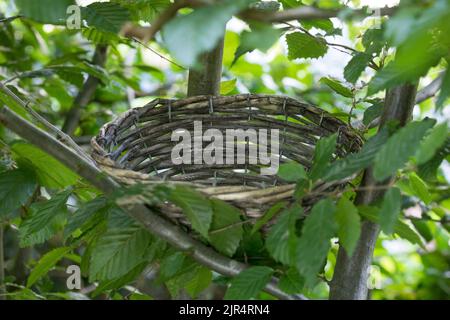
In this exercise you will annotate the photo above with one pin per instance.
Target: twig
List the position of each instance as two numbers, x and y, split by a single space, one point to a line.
67 140
157 53
236 224
441 221
147 217
165 16
9 19
301 13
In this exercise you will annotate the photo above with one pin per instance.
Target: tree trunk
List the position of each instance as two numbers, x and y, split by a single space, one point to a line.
351 273
206 80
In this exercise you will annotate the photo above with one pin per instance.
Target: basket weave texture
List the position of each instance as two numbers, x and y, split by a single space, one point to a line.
136 147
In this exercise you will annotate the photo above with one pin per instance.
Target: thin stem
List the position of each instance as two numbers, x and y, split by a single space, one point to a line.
157 53
9 19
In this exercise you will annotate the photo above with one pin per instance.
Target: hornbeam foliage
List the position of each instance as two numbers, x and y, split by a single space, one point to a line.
125 53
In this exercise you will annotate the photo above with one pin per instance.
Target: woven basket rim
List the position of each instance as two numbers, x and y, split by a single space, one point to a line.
166 112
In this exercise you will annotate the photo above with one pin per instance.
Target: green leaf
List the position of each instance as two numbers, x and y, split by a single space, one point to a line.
199 282
45 11
423 229
355 162
94 70
413 60
86 215
16 187
97 36
44 219
119 282
337 87
428 170
372 112
105 16
47 262
197 208
282 240
248 283
349 224
182 36
373 41
323 154
146 10
226 227
399 148
270 213
432 142
420 188
291 3
185 278
118 251
445 90
356 66
262 36
292 282
301 45
396 73
319 227
292 171
227 87
171 265
390 210
49 171
400 228
323 24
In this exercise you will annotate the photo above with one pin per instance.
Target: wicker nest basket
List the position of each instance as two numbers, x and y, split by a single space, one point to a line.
137 146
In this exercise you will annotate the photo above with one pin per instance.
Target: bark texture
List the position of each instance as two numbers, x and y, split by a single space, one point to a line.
206 80
351 273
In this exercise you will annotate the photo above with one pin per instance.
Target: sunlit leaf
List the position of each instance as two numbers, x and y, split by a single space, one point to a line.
302 45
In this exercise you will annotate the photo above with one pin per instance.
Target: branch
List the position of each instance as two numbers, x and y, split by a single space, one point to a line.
430 90
67 140
148 33
148 218
351 273
424 94
86 93
304 13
